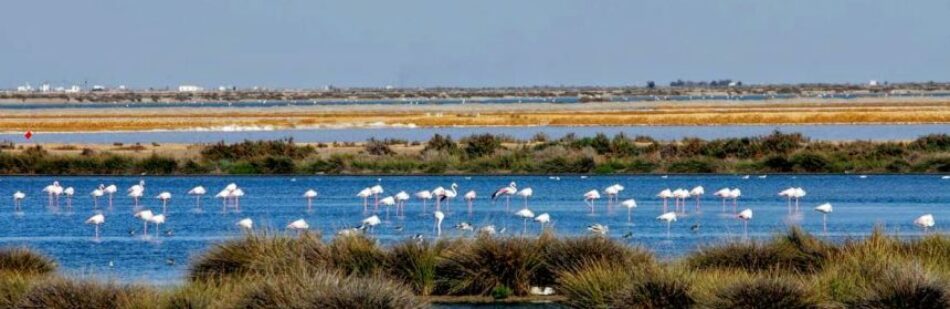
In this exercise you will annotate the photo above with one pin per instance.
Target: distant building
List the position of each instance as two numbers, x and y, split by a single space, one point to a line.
98 88
73 89
872 83
190 88
44 88
24 88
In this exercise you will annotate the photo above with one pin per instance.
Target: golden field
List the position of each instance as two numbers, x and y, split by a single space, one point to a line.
876 111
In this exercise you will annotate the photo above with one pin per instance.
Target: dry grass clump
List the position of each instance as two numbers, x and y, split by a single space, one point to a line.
258 254
765 293
355 254
564 254
905 287
416 264
795 251
25 261
595 285
305 289
477 267
68 294
660 290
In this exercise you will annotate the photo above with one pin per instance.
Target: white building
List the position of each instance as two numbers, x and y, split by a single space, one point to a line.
44 88
24 88
872 83
189 88
73 89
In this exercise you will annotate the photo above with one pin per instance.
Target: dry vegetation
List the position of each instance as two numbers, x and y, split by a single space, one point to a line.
611 114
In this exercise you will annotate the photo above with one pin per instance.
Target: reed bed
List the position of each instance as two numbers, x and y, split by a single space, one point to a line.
268 270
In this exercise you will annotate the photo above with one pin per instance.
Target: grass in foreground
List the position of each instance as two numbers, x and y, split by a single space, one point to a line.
794 270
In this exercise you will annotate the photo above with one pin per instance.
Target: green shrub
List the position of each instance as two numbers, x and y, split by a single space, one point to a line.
68 294
25 261
477 267
765 293
328 290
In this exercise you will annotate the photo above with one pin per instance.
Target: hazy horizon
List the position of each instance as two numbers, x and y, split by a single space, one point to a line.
428 43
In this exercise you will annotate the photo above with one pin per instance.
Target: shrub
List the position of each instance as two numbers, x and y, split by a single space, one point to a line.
355 254
24 261
478 267
377 148
441 144
562 255
328 290
810 162
501 292
658 291
258 254
595 285
477 146
415 264
906 287
67 294
765 293
795 251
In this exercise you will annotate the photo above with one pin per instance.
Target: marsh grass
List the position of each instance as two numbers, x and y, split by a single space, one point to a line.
259 254
25 261
68 294
596 284
479 266
416 263
305 289
784 293
795 251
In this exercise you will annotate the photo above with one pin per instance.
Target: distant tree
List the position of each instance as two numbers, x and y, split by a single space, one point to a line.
651 84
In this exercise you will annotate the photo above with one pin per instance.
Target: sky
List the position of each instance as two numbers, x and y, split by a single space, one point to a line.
427 43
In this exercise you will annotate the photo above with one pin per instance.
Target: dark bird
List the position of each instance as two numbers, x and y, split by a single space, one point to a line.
628 235
694 228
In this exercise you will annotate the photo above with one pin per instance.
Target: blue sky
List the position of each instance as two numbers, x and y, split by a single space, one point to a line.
308 43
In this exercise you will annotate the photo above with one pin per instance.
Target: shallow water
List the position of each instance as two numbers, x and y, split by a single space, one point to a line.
274 201
818 132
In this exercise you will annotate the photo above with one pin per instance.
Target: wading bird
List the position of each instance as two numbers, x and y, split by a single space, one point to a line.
388 202
508 191
449 195
164 197
735 194
669 218
925 222
299 225
110 190
630 204
543 219
365 194
96 194
598 229
590 197
470 199
17 198
96 220
371 222
68 192
745 216
679 198
525 193
247 224
824 209
137 191
697 192
236 195
310 195
613 193
525 214
145 216
401 199
439 216
376 190
724 194
424 196
53 191
666 194
197 192
158 220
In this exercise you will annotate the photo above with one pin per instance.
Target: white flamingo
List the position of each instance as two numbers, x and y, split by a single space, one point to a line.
788 194
669 218
110 190
697 192
365 194
439 216
388 202
53 191
598 229
470 199
925 222
96 220
158 219
198 192
237 194
824 209
247 224
137 191
543 219
17 199
612 192
164 197
508 191
96 194
371 222
630 204
310 195
525 214
145 216
525 193
376 190
401 198
666 194
299 225
449 195
424 195
735 194
224 195
680 196
724 194
69 192
590 197
745 216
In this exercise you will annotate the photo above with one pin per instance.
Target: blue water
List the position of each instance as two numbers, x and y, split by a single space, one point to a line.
817 132
272 202
425 101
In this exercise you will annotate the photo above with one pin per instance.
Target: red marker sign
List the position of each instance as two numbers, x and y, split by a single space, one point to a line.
28 134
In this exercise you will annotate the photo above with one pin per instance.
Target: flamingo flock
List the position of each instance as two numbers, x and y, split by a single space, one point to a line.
231 194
